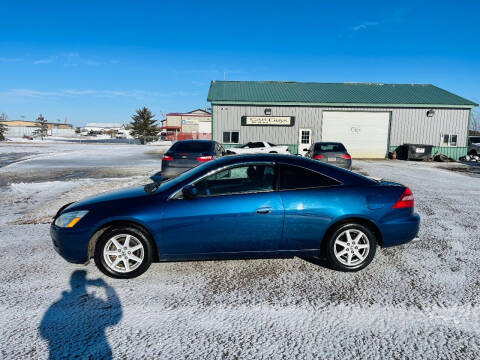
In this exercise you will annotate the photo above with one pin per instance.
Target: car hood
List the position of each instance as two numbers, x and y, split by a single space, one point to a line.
128 193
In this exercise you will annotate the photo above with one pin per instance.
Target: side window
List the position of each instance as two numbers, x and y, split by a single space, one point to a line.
295 177
257 145
237 180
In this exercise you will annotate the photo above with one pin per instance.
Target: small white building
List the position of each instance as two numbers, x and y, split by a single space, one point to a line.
103 127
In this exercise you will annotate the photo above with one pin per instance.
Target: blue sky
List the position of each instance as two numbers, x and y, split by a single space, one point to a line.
100 60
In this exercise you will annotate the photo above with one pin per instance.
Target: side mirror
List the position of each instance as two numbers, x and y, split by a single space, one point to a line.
157 177
189 192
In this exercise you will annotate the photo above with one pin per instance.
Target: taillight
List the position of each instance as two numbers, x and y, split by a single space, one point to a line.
345 156
316 157
405 201
205 158
167 158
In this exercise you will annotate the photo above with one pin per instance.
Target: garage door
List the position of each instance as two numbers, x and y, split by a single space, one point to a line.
364 134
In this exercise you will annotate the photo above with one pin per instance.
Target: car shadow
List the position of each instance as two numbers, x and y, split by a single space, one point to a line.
317 261
75 325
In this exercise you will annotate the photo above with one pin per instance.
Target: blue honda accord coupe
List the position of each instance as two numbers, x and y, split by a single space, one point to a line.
244 206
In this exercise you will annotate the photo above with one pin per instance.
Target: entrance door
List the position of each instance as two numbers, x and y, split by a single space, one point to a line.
304 141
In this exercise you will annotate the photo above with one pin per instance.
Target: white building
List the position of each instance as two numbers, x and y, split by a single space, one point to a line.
104 127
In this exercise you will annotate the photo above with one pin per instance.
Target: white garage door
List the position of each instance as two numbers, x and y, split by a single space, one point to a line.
364 134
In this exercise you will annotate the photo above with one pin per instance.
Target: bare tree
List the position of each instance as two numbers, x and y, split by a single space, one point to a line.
3 117
475 122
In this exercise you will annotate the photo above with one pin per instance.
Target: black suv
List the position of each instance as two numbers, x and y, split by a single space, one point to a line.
186 154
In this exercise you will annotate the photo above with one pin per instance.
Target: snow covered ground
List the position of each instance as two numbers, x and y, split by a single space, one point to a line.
421 300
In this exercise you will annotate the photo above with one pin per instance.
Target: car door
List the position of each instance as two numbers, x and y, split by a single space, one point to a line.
237 210
311 201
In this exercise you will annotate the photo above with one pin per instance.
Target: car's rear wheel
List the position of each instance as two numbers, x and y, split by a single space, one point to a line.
351 247
123 252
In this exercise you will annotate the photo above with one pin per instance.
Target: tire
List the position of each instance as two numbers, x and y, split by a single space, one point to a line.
334 247
132 260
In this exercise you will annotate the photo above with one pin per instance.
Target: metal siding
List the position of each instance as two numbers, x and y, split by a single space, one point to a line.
229 119
408 125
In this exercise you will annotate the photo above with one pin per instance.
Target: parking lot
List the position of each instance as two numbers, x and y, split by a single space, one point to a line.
417 300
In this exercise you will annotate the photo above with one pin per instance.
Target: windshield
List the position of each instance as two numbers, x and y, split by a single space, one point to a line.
168 184
191 147
329 147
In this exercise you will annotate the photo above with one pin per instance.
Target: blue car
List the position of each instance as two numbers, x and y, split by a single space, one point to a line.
237 207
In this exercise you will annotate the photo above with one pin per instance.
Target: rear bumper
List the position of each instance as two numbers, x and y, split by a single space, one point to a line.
171 172
70 244
347 164
400 231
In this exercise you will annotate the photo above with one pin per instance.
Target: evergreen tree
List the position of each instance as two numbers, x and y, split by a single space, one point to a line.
3 130
143 125
43 126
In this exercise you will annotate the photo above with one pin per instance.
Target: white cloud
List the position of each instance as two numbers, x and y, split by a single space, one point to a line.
72 59
365 25
44 61
22 94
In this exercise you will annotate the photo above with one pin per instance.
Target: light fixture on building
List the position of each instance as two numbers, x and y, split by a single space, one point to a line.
430 113
268 111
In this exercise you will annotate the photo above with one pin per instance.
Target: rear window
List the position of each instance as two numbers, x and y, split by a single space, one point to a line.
329 147
475 139
191 147
295 177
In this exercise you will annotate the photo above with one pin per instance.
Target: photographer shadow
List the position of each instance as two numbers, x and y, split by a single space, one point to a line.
75 325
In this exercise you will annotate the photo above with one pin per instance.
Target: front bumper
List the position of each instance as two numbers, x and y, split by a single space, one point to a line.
71 244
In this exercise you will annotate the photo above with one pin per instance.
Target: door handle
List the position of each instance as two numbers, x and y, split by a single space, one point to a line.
264 210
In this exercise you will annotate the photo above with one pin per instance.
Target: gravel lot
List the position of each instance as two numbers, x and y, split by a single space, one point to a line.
420 300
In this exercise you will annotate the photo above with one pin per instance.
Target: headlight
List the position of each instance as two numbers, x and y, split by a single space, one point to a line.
69 219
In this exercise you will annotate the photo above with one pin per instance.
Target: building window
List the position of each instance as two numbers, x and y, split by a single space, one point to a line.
449 140
453 140
305 137
230 137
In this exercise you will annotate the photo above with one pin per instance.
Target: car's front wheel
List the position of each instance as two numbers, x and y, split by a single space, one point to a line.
351 247
123 252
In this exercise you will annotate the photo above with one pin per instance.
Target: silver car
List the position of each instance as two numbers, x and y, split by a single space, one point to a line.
333 153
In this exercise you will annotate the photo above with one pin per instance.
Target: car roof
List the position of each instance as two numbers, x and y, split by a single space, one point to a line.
194 140
345 176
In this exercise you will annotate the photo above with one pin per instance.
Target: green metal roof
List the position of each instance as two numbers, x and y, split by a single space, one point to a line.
328 94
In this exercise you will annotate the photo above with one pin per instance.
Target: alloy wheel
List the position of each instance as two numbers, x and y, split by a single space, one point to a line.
351 247
123 253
